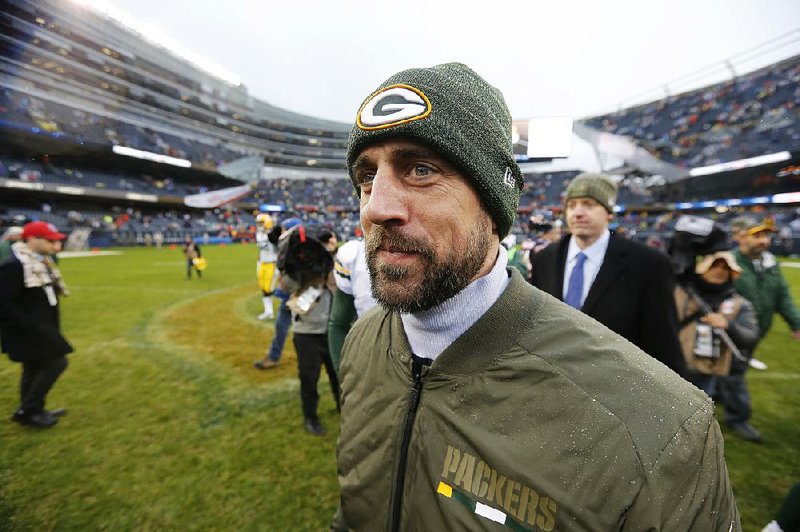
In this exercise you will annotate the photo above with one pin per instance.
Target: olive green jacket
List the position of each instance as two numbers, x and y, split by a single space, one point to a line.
767 291
5 250
537 417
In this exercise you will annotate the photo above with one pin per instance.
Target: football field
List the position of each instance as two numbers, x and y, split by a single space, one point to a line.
169 426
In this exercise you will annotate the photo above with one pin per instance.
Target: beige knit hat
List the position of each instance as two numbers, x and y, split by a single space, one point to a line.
705 263
599 187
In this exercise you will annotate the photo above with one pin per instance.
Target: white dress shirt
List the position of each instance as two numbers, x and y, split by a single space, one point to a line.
594 260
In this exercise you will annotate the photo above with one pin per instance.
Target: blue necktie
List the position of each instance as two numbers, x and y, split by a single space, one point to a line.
575 286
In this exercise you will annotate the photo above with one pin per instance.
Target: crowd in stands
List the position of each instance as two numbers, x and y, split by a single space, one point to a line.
24 23
58 80
751 115
546 190
310 194
25 111
43 171
22 110
68 84
136 226
328 202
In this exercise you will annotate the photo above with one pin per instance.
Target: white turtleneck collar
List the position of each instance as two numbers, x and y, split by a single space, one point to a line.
430 331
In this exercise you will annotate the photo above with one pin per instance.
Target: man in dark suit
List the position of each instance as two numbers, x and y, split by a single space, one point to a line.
624 285
30 285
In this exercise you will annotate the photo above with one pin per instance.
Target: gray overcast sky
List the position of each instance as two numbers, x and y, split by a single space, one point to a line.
571 58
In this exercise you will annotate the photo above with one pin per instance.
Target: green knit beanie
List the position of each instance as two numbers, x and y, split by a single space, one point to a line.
599 187
454 111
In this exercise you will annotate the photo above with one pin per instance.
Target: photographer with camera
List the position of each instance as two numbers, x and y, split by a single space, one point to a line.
707 304
305 261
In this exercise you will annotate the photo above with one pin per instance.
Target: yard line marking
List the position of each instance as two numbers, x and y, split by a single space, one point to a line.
74 254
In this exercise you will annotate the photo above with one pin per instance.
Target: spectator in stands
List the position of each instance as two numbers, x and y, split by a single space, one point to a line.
30 286
12 234
622 284
705 351
762 281
191 251
353 297
467 369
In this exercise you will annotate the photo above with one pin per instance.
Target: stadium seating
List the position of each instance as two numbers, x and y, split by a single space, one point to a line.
70 87
754 114
58 75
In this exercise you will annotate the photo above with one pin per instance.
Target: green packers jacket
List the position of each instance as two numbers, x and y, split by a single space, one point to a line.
536 418
767 290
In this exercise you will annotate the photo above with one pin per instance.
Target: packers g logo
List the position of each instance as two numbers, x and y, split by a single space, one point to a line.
392 106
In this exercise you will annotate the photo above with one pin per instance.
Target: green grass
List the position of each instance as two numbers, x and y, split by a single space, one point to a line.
762 474
170 428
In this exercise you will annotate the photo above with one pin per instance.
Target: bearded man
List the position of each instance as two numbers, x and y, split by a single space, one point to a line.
470 399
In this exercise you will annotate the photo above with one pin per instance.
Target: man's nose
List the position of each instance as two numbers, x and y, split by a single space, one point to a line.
387 201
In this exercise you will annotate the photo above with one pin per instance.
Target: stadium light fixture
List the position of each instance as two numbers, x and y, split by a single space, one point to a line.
786 197
155 157
741 163
158 38
152 198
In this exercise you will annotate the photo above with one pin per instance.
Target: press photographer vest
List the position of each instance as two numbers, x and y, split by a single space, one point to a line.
687 308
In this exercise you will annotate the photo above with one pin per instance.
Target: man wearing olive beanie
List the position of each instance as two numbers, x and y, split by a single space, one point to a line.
452 110
463 389
621 283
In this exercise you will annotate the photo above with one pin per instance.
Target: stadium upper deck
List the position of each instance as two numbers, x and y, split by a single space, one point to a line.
754 114
68 70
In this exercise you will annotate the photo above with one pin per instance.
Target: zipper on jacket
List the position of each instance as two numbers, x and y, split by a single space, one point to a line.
411 414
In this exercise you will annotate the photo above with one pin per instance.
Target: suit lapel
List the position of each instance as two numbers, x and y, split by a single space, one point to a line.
614 263
563 247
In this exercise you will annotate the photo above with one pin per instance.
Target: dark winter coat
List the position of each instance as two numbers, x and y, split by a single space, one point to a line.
632 295
29 324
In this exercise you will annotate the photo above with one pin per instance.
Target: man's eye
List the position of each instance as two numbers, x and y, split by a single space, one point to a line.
422 171
365 177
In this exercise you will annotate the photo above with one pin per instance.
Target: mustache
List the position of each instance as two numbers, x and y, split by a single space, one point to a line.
391 240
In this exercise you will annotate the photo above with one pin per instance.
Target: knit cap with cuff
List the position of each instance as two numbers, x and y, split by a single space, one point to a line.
599 187
455 112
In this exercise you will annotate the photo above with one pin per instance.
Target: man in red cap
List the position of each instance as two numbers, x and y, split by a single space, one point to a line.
30 284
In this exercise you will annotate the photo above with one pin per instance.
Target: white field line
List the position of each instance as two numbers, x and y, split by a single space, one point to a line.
74 254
